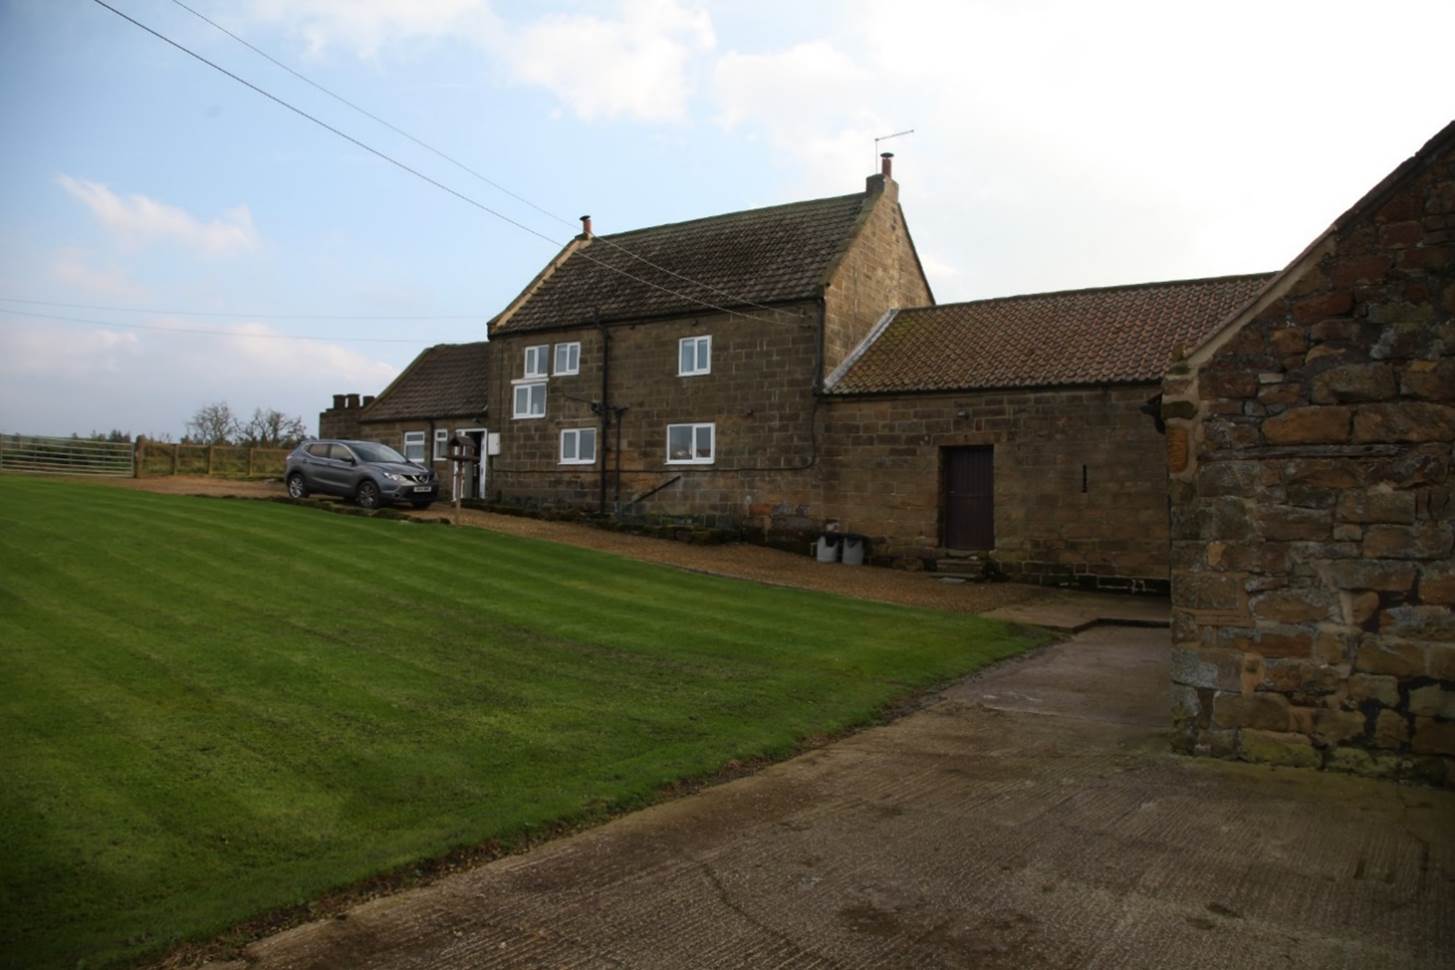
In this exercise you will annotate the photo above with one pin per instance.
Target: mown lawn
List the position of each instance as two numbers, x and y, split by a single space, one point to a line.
212 709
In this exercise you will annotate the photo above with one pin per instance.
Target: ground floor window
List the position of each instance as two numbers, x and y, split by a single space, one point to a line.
691 444
530 400
578 446
441 444
414 445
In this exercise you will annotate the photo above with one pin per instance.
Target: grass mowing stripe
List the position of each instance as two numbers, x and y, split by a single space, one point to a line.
224 706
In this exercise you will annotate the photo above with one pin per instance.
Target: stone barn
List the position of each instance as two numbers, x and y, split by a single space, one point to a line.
1310 451
1021 431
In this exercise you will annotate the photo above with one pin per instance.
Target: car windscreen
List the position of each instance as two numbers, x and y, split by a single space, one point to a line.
368 451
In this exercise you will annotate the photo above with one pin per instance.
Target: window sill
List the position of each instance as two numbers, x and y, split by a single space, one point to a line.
578 464
692 461
527 417
696 373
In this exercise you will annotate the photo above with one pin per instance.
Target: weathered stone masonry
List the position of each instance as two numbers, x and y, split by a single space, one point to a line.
1079 497
1313 520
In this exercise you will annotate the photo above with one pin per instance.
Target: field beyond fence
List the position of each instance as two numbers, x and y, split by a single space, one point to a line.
44 455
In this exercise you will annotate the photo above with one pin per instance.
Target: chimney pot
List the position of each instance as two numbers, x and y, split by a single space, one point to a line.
353 401
886 164
338 402
368 399
586 227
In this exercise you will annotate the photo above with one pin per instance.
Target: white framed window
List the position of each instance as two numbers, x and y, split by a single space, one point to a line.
414 445
530 399
578 446
535 360
694 356
691 444
568 359
441 444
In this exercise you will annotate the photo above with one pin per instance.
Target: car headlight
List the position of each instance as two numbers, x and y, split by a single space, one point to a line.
393 477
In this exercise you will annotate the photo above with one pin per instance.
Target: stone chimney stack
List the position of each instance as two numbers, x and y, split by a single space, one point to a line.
585 227
883 182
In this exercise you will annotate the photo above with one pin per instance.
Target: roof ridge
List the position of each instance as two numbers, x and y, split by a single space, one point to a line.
727 215
1096 289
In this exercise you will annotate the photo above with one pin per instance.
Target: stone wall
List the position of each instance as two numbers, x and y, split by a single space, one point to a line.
880 271
1310 450
759 394
342 420
1080 495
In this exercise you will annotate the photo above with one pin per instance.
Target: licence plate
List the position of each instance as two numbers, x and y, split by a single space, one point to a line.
421 488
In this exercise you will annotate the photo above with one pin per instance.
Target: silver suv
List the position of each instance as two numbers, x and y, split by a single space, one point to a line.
369 473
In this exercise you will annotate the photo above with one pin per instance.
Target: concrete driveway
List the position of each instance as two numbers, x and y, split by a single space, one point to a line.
1030 817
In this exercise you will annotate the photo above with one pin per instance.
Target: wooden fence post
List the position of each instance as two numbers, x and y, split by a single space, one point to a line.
210 450
250 462
176 454
138 456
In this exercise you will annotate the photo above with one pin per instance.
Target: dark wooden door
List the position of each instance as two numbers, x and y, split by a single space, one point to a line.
969 492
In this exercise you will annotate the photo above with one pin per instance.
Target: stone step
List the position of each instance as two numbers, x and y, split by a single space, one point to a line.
961 567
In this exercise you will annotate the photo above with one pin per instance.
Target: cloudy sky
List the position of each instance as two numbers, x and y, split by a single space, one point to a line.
1056 145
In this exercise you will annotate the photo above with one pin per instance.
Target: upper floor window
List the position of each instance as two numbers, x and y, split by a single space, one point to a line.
535 361
691 444
578 446
441 444
694 356
568 359
414 445
530 399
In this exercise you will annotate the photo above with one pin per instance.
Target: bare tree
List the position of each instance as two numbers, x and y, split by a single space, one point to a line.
213 424
268 428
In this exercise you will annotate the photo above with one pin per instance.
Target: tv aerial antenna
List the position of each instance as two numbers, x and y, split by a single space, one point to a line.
897 134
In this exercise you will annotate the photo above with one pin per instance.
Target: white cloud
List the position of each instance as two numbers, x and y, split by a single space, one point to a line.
147 381
1065 144
635 66
73 270
774 85
365 26
61 352
138 218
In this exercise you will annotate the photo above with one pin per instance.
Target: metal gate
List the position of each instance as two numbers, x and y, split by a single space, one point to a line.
969 496
65 456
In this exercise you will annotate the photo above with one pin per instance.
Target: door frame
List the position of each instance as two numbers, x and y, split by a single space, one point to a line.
481 462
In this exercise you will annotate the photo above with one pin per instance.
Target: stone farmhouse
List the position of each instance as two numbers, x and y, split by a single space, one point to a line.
780 370
1313 504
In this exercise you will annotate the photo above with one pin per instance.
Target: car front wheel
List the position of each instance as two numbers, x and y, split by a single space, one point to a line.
297 488
368 495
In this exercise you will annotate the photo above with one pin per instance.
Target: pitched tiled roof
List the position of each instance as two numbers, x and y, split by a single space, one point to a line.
767 255
446 380
1119 334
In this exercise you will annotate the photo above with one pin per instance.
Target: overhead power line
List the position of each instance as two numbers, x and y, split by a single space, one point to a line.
212 333
416 172
461 165
255 316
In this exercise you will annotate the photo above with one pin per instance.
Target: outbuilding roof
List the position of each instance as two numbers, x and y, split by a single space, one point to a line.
446 380
770 255
1110 335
